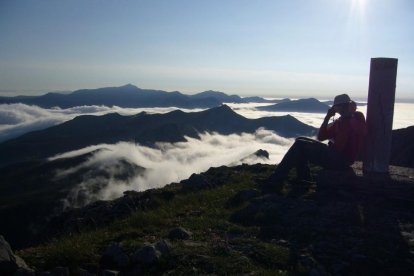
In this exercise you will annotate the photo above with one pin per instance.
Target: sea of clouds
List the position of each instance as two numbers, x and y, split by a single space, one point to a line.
167 162
18 119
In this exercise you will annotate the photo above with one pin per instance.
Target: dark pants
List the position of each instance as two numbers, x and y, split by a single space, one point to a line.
305 151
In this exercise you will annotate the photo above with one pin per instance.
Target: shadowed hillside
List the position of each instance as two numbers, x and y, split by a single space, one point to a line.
31 192
222 222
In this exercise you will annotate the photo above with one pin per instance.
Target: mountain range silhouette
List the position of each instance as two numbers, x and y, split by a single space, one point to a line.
143 128
131 96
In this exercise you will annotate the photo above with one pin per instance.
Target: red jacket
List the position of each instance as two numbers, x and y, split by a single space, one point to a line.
346 134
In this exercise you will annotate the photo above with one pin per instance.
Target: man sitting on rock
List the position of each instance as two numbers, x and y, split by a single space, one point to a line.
346 136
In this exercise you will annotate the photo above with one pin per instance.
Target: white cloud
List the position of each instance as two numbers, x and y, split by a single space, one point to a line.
168 162
18 119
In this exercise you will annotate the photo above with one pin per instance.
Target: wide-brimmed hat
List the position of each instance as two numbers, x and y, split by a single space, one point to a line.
342 99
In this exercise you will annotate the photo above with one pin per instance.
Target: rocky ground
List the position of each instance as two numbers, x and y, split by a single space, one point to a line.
223 222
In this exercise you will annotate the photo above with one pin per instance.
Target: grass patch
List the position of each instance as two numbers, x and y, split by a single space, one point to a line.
203 212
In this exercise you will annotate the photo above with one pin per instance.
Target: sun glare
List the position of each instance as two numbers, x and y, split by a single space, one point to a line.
356 18
359 4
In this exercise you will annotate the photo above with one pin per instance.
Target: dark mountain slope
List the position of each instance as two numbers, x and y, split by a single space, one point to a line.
30 192
222 97
142 128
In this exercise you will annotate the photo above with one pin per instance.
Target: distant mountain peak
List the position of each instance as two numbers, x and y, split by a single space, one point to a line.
223 112
212 91
302 105
129 86
224 108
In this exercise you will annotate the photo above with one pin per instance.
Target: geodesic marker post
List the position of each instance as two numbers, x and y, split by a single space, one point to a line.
380 112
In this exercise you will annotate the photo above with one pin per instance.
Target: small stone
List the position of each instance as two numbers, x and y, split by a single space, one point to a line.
110 273
283 242
146 255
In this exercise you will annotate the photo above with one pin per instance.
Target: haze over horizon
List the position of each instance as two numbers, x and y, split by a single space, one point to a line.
268 48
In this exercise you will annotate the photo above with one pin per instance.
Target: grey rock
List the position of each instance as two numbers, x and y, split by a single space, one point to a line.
163 247
110 273
7 259
283 242
146 255
10 263
114 257
179 233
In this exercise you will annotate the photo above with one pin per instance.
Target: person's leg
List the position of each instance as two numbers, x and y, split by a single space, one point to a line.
303 151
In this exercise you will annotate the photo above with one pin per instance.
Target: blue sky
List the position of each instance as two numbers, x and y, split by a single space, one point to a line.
267 48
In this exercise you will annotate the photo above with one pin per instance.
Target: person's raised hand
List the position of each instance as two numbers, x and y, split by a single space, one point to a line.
331 112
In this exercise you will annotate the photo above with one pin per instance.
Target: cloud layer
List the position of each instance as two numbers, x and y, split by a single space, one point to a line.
167 162
18 119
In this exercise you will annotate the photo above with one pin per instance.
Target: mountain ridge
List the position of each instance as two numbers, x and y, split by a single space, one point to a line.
143 128
310 105
130 96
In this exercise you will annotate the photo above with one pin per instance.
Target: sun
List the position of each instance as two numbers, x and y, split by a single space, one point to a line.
359 4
